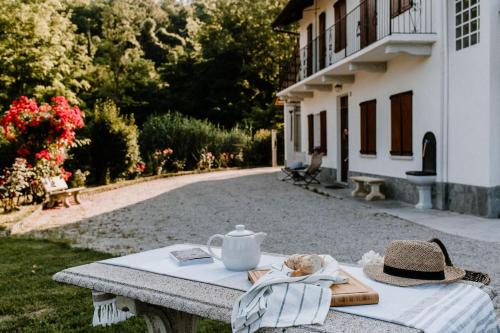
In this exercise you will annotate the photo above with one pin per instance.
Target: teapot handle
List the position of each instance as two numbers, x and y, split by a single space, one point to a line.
209 244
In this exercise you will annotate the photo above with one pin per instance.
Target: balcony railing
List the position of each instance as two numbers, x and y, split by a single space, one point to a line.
370 21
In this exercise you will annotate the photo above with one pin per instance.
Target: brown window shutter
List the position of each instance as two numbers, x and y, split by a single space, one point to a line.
310 132
395 8
363 126
395 125
309 50
340 25
371 121
407 123
323 134
322 41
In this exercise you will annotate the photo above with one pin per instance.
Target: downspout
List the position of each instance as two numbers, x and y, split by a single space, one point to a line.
445 103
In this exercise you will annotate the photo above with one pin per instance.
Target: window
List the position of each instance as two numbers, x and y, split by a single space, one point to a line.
309 50
340 25
401 124
322 40
310 133
398 7
316 128
296 129
322 132
466 23
368 127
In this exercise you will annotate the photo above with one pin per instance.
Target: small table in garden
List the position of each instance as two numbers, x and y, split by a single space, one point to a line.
175 305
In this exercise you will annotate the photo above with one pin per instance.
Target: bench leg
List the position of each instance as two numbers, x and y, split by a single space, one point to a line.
77 197
359 191
66 201
375 193
159 319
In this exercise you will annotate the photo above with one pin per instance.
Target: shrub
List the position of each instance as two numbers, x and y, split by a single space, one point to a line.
258 152
43 133
189 138
114 149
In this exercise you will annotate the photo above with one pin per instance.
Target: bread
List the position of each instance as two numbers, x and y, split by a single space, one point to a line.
304 264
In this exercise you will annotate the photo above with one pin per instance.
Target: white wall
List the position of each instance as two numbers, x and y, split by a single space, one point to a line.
494 40
470 132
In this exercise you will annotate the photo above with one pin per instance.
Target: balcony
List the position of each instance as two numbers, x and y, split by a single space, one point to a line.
364 39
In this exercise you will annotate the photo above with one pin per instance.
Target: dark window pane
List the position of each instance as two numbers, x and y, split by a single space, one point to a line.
465 29
465 16
459 45
458 32
466 4
458 7
473 39
473 12
466 42
473 2
474 26
458 19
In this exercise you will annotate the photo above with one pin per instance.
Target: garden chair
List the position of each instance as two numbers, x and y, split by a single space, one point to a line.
56 189
311 173
288 170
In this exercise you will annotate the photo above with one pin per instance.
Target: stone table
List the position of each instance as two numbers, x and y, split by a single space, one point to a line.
173 305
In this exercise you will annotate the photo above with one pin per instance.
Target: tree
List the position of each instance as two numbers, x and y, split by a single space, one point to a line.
237 71
40 53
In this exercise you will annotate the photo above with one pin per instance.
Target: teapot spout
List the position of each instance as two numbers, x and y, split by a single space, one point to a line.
260 237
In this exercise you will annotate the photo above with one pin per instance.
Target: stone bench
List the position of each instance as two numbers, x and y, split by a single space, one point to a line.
175 305
374 183
56 189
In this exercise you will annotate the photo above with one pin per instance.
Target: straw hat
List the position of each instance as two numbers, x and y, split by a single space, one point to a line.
411 263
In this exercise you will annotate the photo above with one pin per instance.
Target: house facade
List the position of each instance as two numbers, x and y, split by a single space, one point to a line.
389 86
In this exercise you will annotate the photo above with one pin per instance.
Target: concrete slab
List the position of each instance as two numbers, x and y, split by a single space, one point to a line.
469 226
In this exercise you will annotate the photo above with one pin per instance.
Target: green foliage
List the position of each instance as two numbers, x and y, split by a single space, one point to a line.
236 66
259 151
114 148
7 152
40 54
189 137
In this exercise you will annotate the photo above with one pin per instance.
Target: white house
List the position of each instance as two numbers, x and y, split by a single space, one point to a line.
370 79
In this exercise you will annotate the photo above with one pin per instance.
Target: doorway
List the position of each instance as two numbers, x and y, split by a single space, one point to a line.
368 22
344 139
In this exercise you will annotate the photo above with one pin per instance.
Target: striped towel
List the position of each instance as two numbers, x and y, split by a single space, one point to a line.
464 308
278 300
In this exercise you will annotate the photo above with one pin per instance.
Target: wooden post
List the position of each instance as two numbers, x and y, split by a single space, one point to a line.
274 148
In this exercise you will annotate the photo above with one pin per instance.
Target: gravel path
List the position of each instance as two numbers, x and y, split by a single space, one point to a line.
191 208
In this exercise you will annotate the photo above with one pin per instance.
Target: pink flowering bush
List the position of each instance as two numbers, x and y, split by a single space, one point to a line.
42 133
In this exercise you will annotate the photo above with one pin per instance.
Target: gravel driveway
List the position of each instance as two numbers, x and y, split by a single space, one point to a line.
191 208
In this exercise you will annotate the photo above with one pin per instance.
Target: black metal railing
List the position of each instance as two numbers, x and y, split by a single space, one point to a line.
369 22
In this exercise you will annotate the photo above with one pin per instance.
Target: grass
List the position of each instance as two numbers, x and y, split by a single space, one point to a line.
31 302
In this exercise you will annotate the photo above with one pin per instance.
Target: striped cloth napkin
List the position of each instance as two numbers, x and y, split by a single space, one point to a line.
457 308
278 300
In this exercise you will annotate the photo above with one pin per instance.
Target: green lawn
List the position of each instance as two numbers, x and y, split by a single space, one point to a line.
31 302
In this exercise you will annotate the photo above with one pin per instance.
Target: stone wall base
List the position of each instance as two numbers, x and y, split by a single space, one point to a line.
328 175
466 199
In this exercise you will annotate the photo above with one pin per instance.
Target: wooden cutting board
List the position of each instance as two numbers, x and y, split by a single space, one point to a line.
351 293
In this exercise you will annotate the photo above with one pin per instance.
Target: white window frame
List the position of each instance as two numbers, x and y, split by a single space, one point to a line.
467 23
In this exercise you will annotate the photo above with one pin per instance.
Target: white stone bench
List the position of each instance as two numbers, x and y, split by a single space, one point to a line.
174 305
56 189
374 183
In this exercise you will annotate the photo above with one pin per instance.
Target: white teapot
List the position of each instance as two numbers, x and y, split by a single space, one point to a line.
240 248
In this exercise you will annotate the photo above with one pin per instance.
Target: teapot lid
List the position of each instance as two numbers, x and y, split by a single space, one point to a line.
240 231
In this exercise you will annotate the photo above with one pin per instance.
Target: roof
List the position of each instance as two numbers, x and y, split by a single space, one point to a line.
292 12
